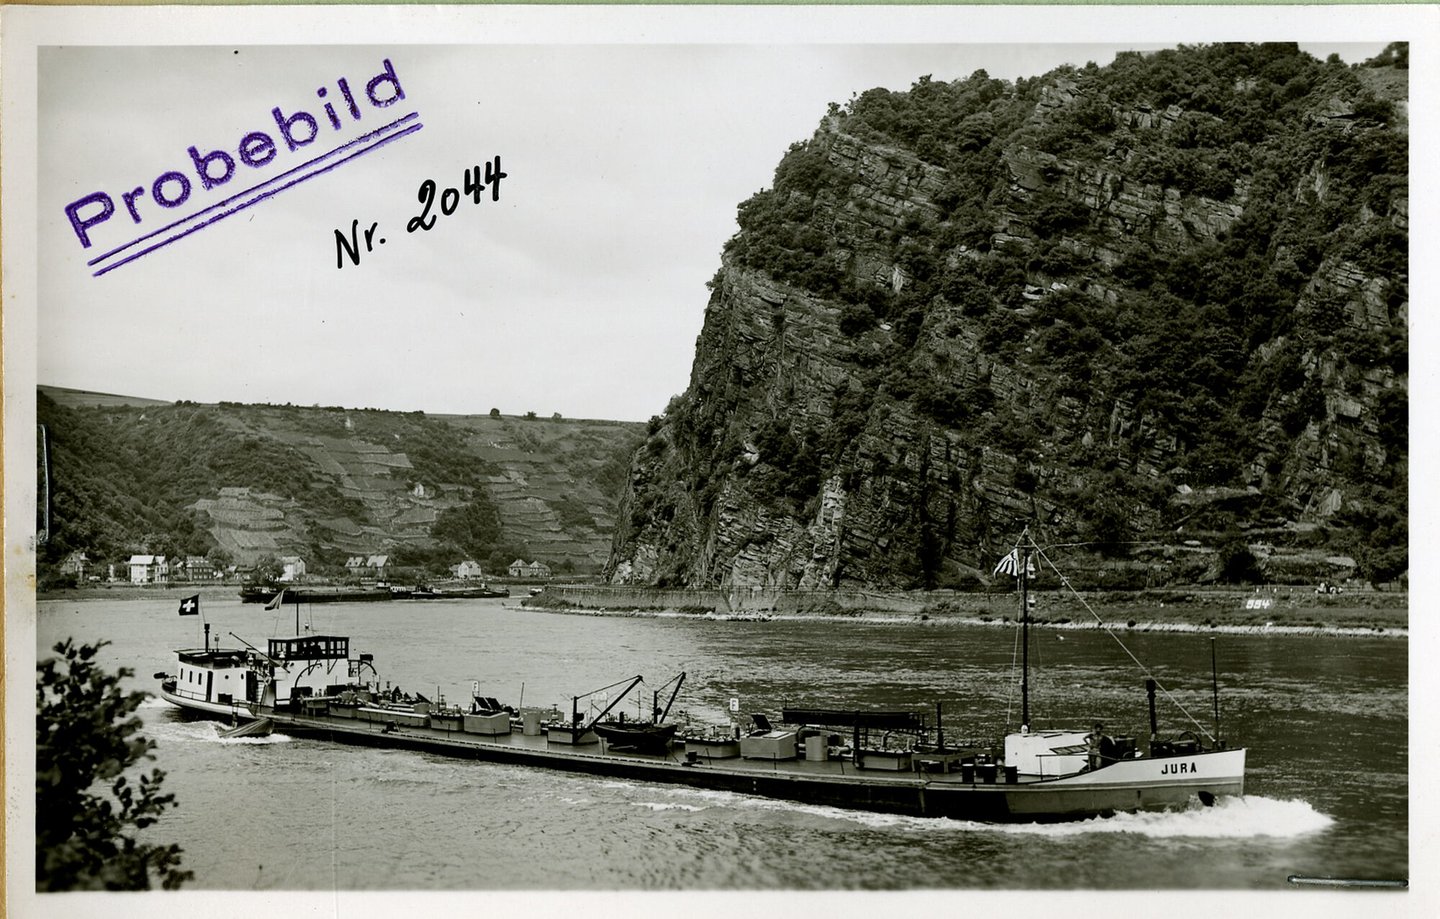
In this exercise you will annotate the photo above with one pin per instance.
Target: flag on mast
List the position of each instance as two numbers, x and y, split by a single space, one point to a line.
1010 564
190 606
279 598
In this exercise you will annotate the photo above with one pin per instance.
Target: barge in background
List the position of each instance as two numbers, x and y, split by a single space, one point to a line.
254 593
429 592
323 594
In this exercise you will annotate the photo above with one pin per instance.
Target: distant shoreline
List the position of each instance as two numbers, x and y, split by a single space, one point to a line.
1230 611
1295 612
1132 626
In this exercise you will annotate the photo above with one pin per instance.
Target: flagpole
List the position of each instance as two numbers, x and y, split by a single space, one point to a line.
190 606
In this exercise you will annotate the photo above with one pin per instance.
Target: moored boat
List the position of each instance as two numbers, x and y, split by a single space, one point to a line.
430 592
255 593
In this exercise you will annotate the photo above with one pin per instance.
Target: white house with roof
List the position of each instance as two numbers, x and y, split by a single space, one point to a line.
292 568
367 566
468 569
199 568
536 569
148 569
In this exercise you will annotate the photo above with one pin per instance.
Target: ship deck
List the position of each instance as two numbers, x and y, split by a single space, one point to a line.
540 750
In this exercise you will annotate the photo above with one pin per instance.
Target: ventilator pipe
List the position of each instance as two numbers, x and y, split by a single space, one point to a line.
1150 694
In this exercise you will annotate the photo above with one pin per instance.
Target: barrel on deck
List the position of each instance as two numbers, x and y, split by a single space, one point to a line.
530 724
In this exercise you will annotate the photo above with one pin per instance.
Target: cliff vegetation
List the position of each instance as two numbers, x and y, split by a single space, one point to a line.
1156 309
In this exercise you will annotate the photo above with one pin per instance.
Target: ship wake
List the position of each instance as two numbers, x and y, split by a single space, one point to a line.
1249 817
207 732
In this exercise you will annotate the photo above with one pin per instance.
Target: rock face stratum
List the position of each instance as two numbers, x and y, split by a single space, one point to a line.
1150 318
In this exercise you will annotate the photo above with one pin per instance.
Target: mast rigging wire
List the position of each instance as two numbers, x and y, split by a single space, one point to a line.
1146 670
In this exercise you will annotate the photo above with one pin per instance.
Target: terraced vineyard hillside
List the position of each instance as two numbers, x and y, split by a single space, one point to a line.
248 482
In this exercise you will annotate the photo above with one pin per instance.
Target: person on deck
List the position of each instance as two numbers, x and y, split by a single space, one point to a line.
1097 744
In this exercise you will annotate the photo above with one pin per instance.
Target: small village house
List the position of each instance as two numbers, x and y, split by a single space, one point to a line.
292 568
468 569
149 569
75 563
367 566
535 569
199 568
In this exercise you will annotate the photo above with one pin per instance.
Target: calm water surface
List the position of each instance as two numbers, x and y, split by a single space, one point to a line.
1325 721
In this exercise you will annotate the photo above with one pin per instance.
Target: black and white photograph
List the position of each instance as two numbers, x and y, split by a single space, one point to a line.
822 459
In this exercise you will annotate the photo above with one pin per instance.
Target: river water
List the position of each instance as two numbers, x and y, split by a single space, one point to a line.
1325 721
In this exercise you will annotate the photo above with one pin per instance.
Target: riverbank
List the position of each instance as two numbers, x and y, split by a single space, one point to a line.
1281 611
1268 611
176 592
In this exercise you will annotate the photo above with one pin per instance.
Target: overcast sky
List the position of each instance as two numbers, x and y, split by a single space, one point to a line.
581 291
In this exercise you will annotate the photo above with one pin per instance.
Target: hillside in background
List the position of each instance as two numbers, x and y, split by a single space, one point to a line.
245 483
1157 310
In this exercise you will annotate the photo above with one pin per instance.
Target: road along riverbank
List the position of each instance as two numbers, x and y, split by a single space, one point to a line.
1266 610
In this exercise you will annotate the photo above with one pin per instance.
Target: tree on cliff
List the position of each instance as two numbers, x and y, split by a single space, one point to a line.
88 802
1237 564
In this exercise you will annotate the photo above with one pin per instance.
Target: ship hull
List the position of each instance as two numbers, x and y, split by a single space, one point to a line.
1122 787
199 708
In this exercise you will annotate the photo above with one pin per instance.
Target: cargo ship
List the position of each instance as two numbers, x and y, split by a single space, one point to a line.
312 686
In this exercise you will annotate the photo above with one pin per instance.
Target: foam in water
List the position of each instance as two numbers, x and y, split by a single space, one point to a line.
1230 818
207 732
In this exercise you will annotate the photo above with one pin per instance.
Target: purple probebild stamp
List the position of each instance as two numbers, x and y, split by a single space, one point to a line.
261 164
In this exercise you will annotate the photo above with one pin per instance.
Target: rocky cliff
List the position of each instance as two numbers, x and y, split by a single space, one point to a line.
1152 308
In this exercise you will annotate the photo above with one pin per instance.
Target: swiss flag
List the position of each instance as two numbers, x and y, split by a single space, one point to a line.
190 606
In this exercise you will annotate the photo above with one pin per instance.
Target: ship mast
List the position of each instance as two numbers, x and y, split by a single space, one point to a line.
1023 571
